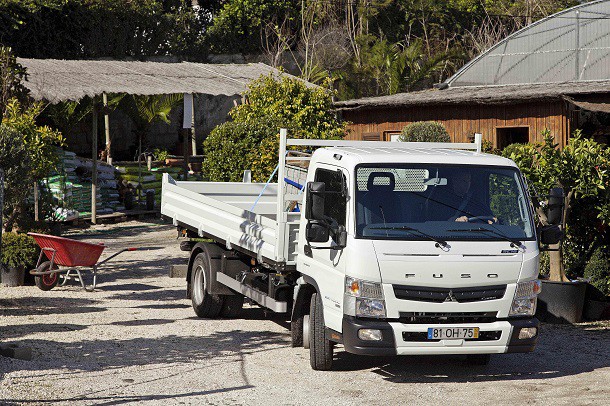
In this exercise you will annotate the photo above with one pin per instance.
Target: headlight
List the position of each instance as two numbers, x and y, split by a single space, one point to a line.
526 296
363 298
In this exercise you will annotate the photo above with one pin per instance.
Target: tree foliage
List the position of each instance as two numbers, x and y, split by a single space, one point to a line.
581 169
72 29
16 163
11 77
40 141
249 141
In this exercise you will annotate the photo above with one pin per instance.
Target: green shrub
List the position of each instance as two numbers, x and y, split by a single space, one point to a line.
227 148
250 140
598 270
425 131
19 250
160 154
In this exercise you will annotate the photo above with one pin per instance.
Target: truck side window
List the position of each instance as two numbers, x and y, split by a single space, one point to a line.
335 204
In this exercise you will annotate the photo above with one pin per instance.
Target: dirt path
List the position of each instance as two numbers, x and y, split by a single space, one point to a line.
136 339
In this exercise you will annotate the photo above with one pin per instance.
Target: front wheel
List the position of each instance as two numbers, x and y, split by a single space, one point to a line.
320 348
49 281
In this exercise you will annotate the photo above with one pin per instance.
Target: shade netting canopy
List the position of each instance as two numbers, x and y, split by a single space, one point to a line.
572 45
61 80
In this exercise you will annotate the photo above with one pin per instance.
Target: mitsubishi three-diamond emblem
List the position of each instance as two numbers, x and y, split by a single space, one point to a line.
450 297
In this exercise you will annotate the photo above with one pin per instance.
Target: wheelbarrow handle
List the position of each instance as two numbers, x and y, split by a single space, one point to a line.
115 254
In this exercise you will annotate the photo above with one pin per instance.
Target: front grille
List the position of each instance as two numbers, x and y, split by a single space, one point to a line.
440 295
447 318
422 336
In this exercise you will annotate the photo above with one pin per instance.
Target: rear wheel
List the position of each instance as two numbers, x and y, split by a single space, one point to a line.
320 349
204 304
49 281
478 359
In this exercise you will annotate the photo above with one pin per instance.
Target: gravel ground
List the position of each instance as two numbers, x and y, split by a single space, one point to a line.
137 340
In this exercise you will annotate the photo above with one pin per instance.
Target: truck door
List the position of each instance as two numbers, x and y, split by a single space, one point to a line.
327 266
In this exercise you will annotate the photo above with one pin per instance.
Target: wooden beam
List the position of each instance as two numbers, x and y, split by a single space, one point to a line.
94 166
107 128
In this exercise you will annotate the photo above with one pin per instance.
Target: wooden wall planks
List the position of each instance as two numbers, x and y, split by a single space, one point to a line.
461 121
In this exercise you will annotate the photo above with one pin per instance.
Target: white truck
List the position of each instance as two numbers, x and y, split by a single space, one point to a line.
385 248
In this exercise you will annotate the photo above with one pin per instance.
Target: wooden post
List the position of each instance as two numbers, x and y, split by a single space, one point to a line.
94 166
193 135
1 210
36 199
185 144
187 123
107 128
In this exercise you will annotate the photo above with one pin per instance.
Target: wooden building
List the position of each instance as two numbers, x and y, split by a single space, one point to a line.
503 114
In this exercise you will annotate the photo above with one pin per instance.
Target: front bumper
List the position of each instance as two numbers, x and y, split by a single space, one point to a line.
393 340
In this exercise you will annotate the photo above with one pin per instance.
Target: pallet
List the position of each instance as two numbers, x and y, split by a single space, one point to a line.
115 217
127 214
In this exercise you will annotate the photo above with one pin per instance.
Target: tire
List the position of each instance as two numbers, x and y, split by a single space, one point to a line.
478 359
205 305
232 305
46 282
320 349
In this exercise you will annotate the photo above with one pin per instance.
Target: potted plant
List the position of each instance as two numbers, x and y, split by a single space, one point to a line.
581 169
19 253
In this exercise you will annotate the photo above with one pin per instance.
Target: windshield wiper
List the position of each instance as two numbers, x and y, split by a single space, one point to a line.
439 243
513 242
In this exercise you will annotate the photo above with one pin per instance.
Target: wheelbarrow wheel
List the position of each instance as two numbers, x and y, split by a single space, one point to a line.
49 281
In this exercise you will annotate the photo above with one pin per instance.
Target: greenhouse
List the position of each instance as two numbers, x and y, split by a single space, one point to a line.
572 45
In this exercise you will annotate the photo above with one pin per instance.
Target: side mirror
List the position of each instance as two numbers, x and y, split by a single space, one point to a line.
316 232
556 206
315 201
550 235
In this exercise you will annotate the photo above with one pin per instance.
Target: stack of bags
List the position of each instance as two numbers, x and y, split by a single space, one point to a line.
60 185
71 188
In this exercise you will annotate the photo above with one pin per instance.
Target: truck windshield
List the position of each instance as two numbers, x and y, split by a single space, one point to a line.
442 202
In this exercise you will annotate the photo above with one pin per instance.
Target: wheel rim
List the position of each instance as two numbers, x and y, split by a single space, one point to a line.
198 284
50 279
306 331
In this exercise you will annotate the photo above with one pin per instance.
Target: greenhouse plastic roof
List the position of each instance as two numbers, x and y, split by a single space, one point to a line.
60 80
572 45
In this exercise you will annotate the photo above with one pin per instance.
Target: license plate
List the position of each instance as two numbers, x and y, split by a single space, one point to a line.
452 333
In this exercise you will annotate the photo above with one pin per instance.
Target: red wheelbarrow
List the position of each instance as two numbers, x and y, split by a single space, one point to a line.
70 256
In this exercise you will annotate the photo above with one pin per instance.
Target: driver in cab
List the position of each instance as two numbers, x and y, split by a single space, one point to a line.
467 203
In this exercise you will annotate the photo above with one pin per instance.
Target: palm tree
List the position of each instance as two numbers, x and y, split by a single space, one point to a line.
145 110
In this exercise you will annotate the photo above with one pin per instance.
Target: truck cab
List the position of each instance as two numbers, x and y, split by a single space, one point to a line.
439 252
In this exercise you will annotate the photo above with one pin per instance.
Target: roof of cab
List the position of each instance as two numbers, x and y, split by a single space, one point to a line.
352 156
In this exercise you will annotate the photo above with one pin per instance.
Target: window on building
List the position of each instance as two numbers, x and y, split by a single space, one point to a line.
511 135
391 135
